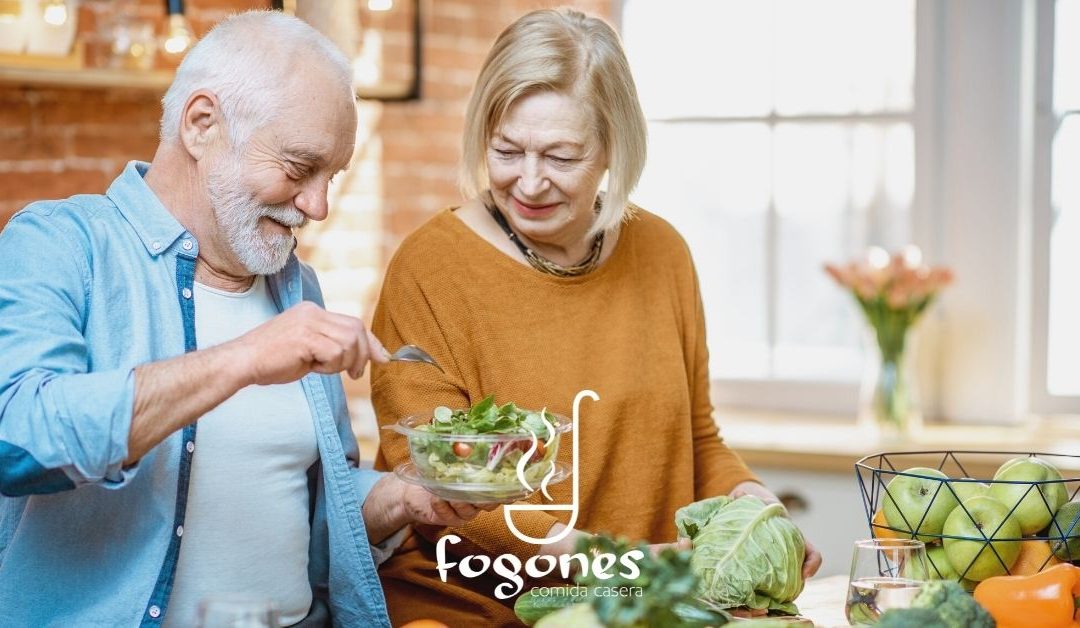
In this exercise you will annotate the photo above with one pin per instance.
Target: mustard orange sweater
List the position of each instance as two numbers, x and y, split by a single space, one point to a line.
632 330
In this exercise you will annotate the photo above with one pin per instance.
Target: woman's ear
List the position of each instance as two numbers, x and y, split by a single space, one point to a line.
200 123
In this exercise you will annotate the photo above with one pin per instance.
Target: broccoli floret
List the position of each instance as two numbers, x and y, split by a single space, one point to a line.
910 618
939 604
955 607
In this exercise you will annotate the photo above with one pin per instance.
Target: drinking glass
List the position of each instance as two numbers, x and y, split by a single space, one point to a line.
885 573
236 611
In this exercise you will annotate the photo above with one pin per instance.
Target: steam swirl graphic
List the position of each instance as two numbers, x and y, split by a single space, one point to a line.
527 456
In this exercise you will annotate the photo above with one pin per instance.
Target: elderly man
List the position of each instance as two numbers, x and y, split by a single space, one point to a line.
172 420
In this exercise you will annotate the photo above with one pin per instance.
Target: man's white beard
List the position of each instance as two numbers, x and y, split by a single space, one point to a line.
238 215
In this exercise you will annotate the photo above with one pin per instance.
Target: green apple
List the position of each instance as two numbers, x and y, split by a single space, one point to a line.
940 567
972 556
908 497
1066 524
1035 503
966 488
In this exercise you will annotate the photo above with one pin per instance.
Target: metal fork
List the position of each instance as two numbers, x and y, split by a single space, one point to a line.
413 353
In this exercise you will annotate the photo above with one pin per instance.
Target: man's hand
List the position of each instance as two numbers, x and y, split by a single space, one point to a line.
812 558
172 393
393 504
304 339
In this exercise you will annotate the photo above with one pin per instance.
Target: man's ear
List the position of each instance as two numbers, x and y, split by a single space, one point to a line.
201 123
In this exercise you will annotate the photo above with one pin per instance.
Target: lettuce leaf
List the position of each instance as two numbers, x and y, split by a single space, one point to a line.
745 552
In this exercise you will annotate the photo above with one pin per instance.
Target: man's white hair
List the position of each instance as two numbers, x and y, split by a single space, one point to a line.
248 62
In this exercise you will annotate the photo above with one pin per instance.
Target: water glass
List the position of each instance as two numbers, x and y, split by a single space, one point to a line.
236 611
885 574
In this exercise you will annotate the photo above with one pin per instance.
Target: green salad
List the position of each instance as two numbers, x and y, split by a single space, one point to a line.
473 459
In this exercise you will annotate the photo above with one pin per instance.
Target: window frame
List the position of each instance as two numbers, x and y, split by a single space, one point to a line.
983 129
825 396
1044 124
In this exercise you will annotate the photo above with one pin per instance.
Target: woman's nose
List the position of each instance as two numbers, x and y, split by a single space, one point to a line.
533 181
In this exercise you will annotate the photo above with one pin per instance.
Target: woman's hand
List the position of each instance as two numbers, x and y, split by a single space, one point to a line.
812 558
681 545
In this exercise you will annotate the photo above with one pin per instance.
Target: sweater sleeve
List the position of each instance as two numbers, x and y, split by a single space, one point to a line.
717 469
406 314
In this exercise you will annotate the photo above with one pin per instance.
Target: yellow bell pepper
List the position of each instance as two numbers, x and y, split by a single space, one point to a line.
1046 599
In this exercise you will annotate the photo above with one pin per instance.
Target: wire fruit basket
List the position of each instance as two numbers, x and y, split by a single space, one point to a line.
1023 519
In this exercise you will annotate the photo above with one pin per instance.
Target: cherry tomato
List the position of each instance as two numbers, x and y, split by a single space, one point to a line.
462 450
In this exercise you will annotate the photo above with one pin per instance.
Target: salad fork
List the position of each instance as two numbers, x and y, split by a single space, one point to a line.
413 353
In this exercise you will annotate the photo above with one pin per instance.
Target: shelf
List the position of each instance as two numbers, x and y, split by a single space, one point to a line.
150 80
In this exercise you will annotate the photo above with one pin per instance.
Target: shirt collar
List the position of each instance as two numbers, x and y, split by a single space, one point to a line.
157 228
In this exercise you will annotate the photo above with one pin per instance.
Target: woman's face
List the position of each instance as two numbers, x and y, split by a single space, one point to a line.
545 164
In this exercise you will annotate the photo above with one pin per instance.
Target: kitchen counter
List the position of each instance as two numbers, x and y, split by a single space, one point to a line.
822 601
831 445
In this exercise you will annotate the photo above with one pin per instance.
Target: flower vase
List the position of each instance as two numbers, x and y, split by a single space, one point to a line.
888 397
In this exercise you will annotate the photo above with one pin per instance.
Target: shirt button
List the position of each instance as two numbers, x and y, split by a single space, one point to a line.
179 530
190 446
155 612
187 293
156 245
187 245
291 286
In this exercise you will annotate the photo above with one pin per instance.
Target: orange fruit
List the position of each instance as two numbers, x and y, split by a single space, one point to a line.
424 623
1033 558
883 532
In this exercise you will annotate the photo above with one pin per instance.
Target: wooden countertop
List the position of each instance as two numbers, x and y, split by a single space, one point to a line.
822 601
831 445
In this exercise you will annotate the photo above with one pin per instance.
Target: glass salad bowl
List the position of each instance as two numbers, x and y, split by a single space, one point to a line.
484 454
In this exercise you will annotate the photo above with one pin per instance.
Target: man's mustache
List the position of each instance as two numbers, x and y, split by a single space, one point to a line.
286 215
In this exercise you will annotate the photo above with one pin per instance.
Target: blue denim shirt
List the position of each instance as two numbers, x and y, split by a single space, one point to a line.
91 287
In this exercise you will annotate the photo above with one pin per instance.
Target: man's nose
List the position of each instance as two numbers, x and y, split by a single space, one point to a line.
533 180
312 199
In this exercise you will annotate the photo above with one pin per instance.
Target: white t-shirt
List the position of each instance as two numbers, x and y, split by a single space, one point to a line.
246 529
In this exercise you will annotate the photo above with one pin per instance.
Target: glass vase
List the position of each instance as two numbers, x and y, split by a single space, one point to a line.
888 397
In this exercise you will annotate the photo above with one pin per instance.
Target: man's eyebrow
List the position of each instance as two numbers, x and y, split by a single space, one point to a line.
304 154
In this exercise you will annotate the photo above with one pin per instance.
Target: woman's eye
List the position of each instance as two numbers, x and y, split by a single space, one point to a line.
504 152
562 161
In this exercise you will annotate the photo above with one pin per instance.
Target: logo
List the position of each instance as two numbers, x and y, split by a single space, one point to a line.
510 509
509 566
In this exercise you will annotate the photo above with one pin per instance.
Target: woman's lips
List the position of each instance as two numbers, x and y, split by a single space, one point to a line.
531 210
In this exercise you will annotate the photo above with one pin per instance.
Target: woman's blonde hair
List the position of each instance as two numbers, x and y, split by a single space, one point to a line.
564 51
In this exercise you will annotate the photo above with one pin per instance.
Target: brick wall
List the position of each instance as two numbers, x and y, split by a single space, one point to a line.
58 142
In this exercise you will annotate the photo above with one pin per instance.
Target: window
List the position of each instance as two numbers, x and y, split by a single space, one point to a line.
1056 358
781 136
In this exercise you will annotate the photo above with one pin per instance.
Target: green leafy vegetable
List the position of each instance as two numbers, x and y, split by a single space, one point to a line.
474 459
947 602
668 593
746 553
910 618
487 418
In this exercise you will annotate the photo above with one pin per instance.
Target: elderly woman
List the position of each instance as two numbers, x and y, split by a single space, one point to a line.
540 286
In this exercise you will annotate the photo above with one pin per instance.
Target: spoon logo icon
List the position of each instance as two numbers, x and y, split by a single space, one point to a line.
510 509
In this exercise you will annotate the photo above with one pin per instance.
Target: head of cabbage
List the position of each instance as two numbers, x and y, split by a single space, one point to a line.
746 553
